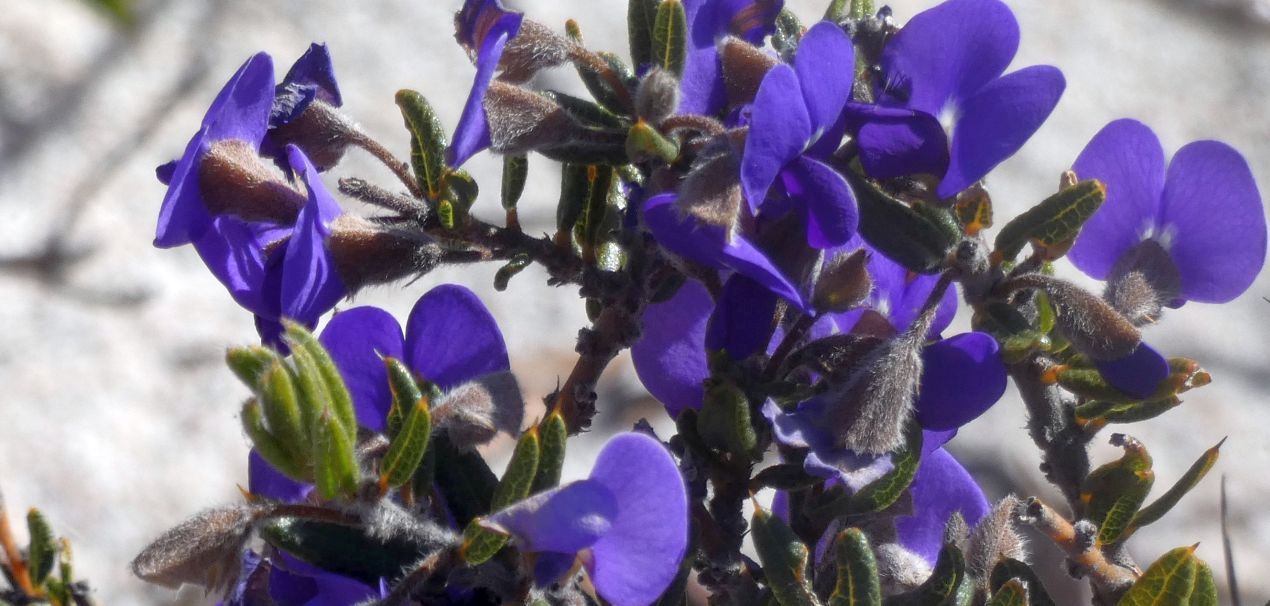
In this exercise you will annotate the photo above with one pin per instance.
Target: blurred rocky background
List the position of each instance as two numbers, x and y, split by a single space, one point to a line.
118 418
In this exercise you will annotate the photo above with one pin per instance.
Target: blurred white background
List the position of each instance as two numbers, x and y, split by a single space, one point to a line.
118 419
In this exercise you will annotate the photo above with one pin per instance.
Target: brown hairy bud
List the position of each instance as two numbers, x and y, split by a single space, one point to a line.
844 282
956 531
658 95
521 120
1093 326
474 412
744 66
321 130
1143 280
711 192
203 550
235 180
899 569
535 47
367 254
994 538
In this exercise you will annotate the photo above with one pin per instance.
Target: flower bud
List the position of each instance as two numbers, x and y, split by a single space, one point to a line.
521 120
711 193
658 95
844 283
899 569
744 66
368 254
233 179
1093 327
203 550
321 130
1143 281
474 412
533 48
993 539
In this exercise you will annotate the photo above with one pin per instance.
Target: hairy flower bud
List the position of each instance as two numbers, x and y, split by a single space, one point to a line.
658 95
844 283
321 130
203 550
474 412
1142 282
521 120
744 66
535 47
1093 326
367 254
994 538
711 192
899 569
233 179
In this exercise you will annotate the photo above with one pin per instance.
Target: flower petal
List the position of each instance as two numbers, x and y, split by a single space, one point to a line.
264 480
996 121
183 217
800 428
311 286
561 520
472 133
825 63
709 245
962 377
670 357
314 68
358 339
831 209
895 141
1126 156
855 471
241 110
293 581
940 487
701 89
780 129
639 556
742 320
233 250
451 337
948 52
1137 374
1212 210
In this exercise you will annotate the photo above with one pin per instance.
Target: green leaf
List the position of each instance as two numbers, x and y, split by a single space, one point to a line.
481 544
515 173
591 220
641 15
858 583
1052 225
838 11
248 363
427 142
942 585
281 407
321 386
587 112
897 230
42 552
1113 493
783 476
517 264
784 559
973 210
342 549
644 142
1174 494
601 85
1169 581
334 469
554 433
724 421
1009 568
405 393
861 9
884 491
789 32
269 446
670 37
1012 593
1205 592
407 448
464 479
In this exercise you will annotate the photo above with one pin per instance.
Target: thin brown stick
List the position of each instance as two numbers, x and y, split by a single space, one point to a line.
396 165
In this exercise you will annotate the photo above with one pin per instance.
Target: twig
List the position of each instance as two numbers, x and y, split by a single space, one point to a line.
1064 447
1081 547
13 556
381 153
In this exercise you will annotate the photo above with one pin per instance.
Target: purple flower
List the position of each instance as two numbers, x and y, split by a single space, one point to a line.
627 523
311 78
940 488
450 339
1205 212
483 27
946 67
701 88
795 123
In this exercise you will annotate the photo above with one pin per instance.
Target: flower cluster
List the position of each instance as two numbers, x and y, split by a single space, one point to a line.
781 222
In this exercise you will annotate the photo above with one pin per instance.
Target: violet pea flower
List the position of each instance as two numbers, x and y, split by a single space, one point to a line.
796 122
946 64
483 27
701 89
627 523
